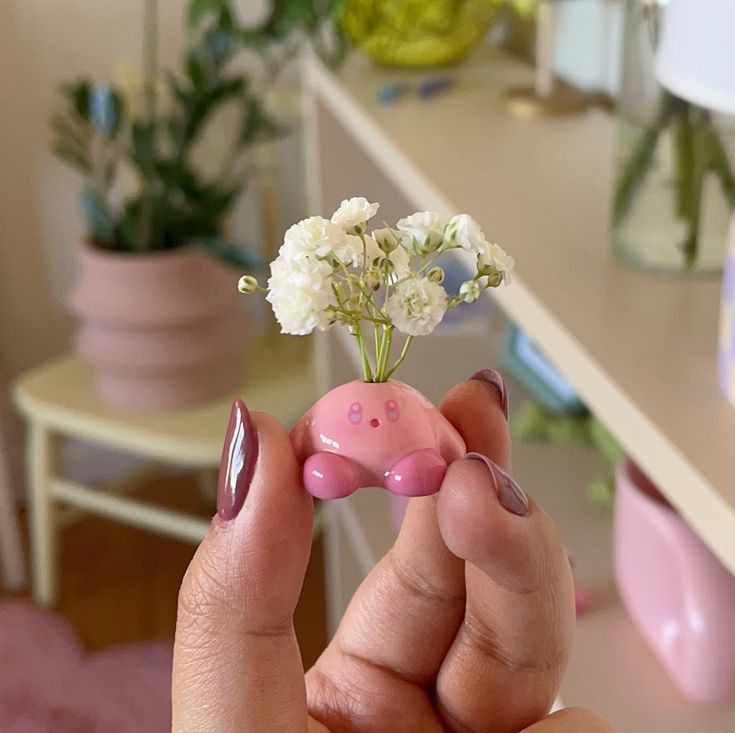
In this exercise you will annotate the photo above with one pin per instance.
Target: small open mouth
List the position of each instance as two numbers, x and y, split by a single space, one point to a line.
375 423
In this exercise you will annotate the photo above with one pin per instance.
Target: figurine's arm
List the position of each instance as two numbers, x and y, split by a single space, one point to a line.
298 438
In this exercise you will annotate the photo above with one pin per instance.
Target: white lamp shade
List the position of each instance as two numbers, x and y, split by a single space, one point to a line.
696 53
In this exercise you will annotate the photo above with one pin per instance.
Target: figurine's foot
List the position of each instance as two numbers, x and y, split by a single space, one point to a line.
418 474
329 476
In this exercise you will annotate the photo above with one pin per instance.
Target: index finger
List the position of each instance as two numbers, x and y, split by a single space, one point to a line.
506 661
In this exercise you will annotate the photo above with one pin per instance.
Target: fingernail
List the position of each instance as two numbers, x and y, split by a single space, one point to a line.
510 495
496 381
236 468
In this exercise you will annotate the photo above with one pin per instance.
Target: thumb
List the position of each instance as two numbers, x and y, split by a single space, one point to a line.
237 664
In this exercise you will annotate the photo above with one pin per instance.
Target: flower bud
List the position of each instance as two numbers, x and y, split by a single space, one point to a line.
371 280
386 239
469 291
426 245
435 275
247 284
494 277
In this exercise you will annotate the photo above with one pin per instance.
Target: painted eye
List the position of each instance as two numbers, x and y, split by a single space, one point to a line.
355 413
391 410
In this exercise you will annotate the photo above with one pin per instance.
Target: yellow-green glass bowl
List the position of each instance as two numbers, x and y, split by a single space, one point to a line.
417 33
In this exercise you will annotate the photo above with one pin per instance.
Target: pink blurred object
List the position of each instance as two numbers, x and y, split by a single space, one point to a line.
679 595
581 600
161 329
375 434
49 683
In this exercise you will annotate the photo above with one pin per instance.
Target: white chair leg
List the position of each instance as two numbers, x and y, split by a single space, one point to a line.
43 540
11 549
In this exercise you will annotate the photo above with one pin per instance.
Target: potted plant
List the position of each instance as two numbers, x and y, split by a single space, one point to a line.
376 431
160 321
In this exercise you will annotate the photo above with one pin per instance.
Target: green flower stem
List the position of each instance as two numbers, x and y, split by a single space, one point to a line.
720 163
366 370
401 358
383 354
697 151
640 162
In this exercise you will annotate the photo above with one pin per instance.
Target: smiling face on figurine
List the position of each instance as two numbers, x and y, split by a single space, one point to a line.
367 434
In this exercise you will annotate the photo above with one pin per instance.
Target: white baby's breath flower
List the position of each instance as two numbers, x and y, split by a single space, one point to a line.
354 213
463 231
494 259
317 237
398 257
469 291
417 306
298 291
426 230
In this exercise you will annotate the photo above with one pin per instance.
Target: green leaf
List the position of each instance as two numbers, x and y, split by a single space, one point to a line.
258 126
333 7
78 94
253 38
142 152
287 16
231 254
225 21
72 155
195 70
199 8
98 217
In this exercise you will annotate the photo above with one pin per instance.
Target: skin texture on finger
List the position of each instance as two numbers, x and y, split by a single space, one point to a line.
237 664
405 615
570 720
507 660
383 659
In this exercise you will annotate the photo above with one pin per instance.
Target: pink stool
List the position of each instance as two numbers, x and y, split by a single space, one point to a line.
679 595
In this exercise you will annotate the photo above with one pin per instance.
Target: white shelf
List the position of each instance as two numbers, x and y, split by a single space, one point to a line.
639 350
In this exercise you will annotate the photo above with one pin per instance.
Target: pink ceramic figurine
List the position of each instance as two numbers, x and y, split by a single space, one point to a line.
365 434
385 287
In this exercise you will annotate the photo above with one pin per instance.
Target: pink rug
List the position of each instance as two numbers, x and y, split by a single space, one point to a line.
49 683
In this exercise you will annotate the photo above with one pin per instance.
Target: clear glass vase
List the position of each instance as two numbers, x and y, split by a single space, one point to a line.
674 189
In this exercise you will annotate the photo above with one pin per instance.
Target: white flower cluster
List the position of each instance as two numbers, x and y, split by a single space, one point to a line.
334 271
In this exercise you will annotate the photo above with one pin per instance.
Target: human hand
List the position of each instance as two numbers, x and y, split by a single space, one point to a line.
464 626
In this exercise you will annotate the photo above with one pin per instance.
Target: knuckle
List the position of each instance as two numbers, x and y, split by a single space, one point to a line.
543 658
416 583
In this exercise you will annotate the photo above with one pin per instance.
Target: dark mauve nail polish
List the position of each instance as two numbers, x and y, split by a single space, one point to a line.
510 495
496 381
239 455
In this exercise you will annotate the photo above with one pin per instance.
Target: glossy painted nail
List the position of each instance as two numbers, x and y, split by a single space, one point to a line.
239 455
496 381
510 495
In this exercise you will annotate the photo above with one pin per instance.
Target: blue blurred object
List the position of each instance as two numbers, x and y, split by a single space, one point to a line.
533 370
433 87
455 273
390 93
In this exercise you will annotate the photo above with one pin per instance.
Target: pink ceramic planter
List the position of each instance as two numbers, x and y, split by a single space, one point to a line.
677 592
161 330
383 435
